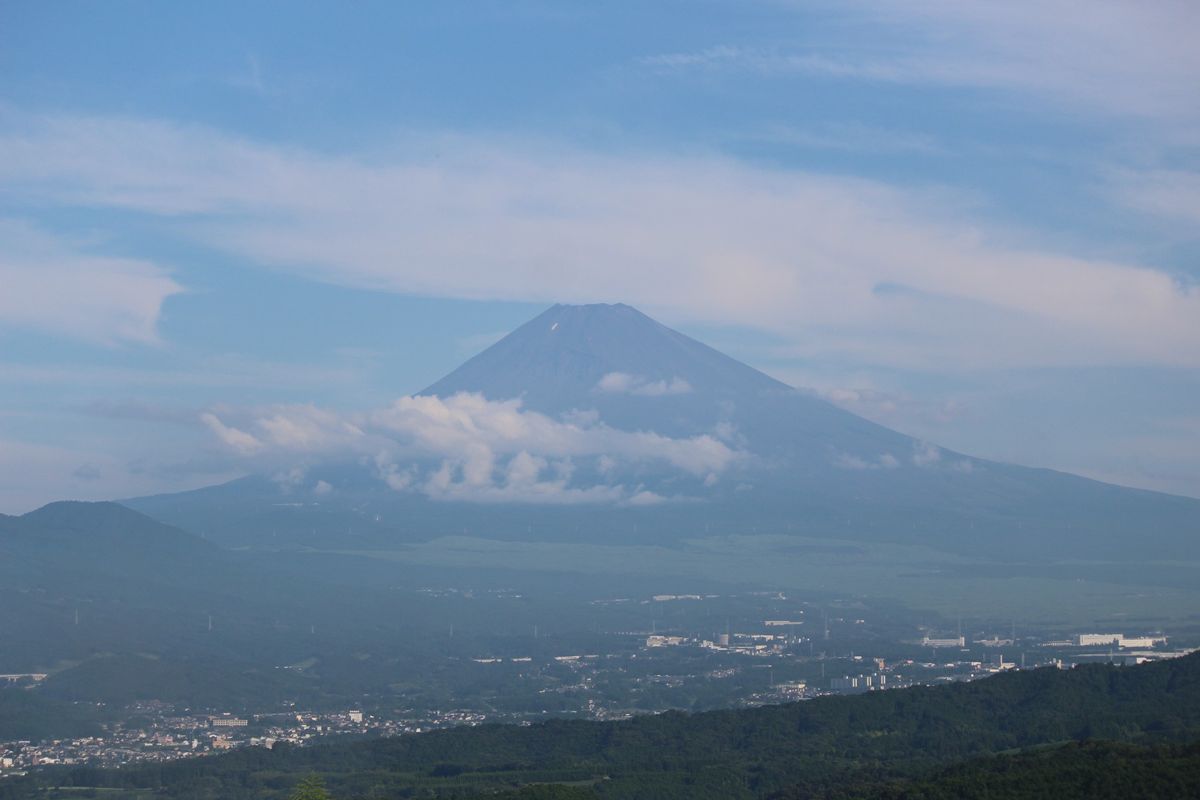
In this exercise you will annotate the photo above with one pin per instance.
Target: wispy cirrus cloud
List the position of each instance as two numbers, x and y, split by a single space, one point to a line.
849 138
1105 59
844 268
1170 193
1127 59
226 370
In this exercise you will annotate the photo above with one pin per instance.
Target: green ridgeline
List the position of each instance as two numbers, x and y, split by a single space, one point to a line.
881 744
1094 769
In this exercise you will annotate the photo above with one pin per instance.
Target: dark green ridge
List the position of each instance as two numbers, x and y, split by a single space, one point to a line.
815 748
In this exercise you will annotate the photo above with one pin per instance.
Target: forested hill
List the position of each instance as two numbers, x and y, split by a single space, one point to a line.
1094 769
823 747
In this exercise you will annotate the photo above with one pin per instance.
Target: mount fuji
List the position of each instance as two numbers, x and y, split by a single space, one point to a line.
701 443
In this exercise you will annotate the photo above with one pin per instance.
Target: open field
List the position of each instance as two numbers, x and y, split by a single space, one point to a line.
1068 593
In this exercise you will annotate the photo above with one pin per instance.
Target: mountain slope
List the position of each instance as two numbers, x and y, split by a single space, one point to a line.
639 374
804 466
97 538
816 467
556 360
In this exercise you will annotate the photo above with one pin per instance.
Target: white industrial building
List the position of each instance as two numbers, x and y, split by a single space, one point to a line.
958 641
1118 640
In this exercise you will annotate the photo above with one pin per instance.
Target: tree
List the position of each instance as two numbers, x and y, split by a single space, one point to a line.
311 787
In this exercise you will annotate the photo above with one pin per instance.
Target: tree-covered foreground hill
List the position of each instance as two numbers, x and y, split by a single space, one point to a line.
880 744
1095 769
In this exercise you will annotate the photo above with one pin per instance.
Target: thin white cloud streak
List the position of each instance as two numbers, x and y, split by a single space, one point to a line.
217 371
624 383
486 451
845 268
1173 194
1119 58
1136 59
858 463
850 138
1132 62
35 473
48 285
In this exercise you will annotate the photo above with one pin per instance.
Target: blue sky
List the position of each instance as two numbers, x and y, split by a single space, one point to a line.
974 223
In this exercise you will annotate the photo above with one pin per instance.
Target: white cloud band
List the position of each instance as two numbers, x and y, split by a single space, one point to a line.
485 450
884 276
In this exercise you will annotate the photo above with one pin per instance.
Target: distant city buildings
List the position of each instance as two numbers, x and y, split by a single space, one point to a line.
22 678
168 736
957 641
227 721
857 684
1118 640
753 661
658 640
